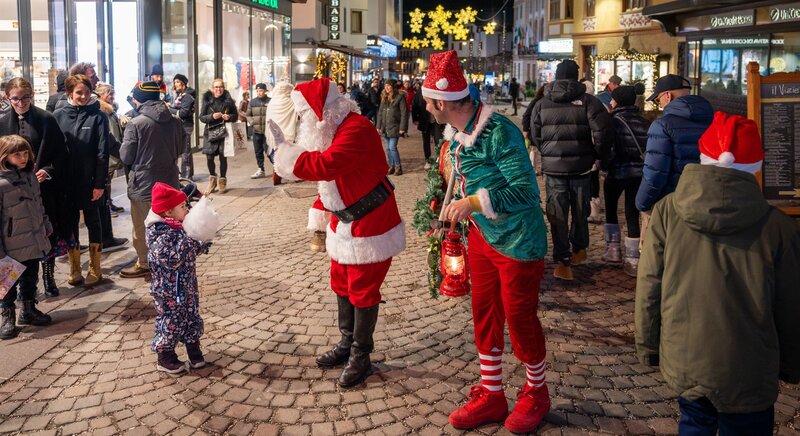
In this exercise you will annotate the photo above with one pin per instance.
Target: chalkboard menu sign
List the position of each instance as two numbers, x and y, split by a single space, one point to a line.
774 104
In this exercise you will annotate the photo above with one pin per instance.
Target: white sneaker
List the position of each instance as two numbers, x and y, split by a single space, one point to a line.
258 174
427 165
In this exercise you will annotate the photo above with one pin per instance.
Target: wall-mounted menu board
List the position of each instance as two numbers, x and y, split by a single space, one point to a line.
773 102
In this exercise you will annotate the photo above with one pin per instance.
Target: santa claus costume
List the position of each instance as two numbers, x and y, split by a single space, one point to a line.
507 242
341 150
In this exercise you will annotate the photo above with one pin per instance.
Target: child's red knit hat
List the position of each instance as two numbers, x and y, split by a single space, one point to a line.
166 197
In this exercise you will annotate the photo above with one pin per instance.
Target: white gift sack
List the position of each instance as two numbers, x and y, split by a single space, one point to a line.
202 221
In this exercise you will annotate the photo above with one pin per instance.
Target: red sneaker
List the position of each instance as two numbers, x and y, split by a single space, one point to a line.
483 407
531 408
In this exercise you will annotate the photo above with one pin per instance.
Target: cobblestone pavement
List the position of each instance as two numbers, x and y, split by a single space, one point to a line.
268 311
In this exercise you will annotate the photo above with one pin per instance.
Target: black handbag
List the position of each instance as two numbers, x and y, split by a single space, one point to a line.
217 132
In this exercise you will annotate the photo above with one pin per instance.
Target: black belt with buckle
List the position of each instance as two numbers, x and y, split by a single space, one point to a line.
366 204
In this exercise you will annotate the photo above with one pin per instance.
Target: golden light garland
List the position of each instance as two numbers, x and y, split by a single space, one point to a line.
440 22
322 67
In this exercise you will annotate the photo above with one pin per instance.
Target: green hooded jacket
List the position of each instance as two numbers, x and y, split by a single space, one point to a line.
718 294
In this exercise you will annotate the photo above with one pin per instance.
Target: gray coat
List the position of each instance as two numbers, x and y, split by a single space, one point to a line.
25 227
257 114
152 143
393 117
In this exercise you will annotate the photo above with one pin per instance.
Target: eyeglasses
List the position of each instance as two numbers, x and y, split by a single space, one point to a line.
219 87
17 100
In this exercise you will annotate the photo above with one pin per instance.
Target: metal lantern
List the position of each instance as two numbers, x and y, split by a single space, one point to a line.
454 268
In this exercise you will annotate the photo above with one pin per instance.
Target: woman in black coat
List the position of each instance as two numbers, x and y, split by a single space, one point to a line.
86 130
41 130
218 109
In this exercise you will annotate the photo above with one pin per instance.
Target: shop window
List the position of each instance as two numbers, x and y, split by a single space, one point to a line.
355 22
568 8
236 66
589 7
176 41
205 46
47 63
265 30
555 9
634 4
723 63
785 57
125 50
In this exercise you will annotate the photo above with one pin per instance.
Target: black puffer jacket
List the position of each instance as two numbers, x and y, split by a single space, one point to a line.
211 105
183 106
569 127
87 138
622 157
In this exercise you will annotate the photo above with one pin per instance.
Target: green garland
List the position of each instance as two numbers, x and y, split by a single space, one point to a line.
424 213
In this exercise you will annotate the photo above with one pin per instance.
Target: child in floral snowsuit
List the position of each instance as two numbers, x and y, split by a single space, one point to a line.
172 256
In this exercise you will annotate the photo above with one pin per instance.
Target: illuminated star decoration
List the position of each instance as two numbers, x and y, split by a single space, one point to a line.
439 22
489 28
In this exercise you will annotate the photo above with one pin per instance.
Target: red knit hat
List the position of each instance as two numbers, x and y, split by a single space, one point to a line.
732 141
315 95
166 197
445 80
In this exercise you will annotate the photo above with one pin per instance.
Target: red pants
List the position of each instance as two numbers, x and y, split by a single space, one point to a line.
360 283
505 289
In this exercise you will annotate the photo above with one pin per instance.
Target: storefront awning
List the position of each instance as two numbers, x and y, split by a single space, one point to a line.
349 51
666 13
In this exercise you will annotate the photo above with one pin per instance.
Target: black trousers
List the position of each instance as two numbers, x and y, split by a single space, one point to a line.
434 131
26 284
92 219
187 162
104 210
259 147
595 181
212 167
612 190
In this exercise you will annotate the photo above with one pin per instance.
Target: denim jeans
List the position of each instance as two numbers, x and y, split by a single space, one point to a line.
564 195
391 151
701 418
26 284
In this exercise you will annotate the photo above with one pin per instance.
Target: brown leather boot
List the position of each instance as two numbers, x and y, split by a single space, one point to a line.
75 275
95 274
399 171
563 271
276 179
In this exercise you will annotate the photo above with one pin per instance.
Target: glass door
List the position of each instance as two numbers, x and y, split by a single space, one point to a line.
10 63
89 34
124 50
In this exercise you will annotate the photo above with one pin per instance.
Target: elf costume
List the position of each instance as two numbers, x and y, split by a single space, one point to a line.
507 242
342 151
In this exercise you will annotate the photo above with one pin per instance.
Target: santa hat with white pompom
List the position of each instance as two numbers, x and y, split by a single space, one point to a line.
732 141
445 80
316 95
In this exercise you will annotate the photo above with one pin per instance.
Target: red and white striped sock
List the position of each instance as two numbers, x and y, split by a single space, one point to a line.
492 370
535 374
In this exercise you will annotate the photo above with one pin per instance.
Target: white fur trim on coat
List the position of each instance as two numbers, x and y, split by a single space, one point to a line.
469 139
329 195
285 157
318 219
152 218
349 250
486 204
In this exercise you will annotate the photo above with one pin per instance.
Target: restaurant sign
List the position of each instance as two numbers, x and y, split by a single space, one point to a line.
334 21
781 13
733 19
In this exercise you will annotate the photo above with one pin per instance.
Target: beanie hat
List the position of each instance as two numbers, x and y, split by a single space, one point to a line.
567 69
624 96
146 91
157 69
445 79
261 86
732 141
166 197
315 95
182 78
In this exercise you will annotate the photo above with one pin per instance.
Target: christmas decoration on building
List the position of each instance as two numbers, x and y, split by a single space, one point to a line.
440 22
322 67
338 67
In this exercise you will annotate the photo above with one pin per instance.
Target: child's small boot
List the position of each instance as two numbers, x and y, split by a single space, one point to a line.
30 315
196 359
95 274
75 275
8 326
48 278
531 408
168 362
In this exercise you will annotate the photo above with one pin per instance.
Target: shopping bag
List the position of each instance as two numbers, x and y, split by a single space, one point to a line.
229 146
240 135
10 270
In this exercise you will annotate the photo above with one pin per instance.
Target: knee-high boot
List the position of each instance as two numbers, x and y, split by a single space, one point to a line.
358 365
341 352
48 278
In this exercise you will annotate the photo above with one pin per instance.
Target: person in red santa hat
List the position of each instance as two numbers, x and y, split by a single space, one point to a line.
497 193
720 262
341 150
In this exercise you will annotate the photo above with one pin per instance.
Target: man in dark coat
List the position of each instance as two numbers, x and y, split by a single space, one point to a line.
59 99
257 116
373 100
151 145
568 127
513 91
183 105
427 125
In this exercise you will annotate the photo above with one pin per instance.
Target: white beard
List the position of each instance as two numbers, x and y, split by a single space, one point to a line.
315 135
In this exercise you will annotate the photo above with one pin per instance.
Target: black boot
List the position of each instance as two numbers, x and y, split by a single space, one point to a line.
196 359
359 366
169 363
30 315
339 354
8 330
48 278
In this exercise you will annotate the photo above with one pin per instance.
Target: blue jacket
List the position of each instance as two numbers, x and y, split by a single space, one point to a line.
671 145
